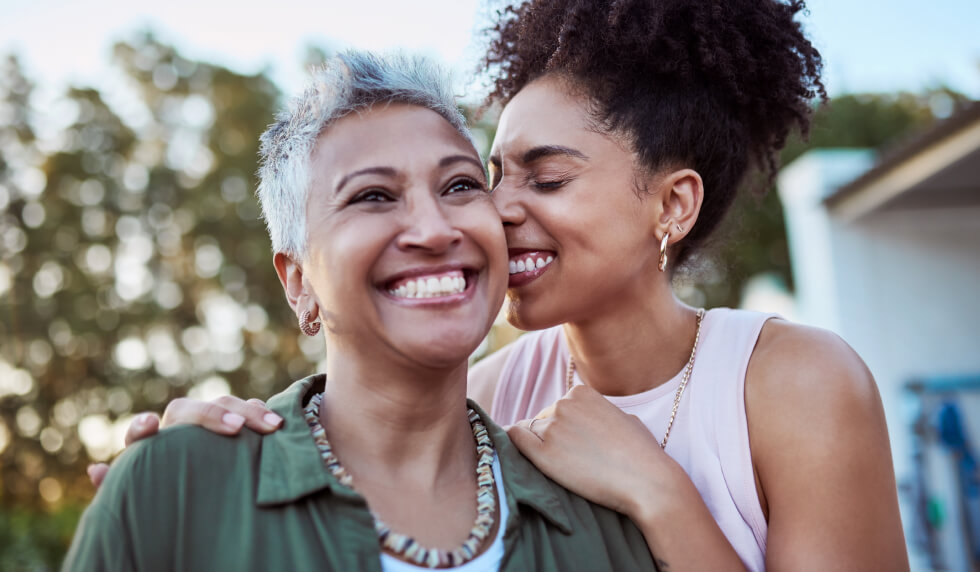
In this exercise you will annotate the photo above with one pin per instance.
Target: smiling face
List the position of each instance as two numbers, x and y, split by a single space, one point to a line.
405 249
580 238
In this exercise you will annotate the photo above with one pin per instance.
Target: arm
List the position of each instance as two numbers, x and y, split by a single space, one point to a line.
819 446
225 415
570 444
483 378
821 452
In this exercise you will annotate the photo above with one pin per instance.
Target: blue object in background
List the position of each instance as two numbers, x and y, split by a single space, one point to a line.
953 436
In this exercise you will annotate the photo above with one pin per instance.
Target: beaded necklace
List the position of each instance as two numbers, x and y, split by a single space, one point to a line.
401 544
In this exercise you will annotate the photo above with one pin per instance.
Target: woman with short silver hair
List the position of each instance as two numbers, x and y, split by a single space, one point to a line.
383 231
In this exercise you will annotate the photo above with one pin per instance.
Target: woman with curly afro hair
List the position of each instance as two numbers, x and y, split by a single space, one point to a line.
734 439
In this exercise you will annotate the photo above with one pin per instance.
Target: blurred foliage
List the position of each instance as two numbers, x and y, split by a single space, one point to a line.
134 268
36 540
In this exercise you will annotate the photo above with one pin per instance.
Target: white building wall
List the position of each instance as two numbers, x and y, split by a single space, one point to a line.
802 187
902 287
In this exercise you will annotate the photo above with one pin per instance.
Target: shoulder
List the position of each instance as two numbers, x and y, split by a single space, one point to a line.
150 491
191 441
483 378
813 407
174 458
797 364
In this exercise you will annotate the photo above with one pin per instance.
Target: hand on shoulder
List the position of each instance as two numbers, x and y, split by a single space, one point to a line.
225 415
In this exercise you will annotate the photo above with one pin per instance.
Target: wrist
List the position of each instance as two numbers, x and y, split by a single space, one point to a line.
662 496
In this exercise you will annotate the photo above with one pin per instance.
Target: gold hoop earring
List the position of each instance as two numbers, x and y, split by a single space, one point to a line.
663 251
309 328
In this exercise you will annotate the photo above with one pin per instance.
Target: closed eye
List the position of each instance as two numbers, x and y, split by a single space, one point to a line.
549 185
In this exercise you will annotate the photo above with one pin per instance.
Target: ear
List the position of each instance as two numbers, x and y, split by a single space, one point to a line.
290 275
681 195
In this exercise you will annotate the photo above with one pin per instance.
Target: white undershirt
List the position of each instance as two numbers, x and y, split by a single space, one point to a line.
485 562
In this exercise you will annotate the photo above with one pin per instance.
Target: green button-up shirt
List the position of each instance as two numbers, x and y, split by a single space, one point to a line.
189 499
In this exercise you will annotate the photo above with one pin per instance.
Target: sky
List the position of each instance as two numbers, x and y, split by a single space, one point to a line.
868 45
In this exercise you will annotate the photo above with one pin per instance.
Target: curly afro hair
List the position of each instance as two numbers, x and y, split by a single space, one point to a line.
714 85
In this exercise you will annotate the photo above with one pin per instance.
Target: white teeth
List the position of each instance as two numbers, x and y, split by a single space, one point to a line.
430 287
530 263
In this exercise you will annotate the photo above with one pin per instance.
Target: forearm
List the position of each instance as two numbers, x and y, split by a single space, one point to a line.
682 534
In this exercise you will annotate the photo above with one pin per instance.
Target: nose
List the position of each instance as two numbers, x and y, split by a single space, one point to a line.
428 226
506 199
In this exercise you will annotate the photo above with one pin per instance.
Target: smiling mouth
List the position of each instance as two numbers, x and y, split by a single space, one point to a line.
530 262
527 266
437 285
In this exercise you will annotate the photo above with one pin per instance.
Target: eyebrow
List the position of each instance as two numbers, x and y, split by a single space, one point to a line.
387 171
447 161
391 172
541 151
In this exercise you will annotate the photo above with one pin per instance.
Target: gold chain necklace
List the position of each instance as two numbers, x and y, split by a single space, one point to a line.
680 388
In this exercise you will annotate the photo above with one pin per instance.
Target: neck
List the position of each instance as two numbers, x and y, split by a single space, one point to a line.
391 422
638 342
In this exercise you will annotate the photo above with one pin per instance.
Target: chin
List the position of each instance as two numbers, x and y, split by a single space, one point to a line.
530 317
442 357
449 349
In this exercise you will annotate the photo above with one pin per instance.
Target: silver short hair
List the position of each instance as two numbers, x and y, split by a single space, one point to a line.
348 82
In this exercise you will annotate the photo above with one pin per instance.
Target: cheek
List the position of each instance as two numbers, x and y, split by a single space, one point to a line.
483 226
348 253
482 222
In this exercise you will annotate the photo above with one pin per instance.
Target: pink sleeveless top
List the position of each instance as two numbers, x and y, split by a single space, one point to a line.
710 436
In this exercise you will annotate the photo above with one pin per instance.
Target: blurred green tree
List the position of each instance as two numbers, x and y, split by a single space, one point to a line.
134 268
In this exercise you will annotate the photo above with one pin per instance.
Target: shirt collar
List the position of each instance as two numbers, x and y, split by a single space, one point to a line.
290 466
524 483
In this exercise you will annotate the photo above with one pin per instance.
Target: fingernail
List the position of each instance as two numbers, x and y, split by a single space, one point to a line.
233 420
272 419
142 419
89 469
